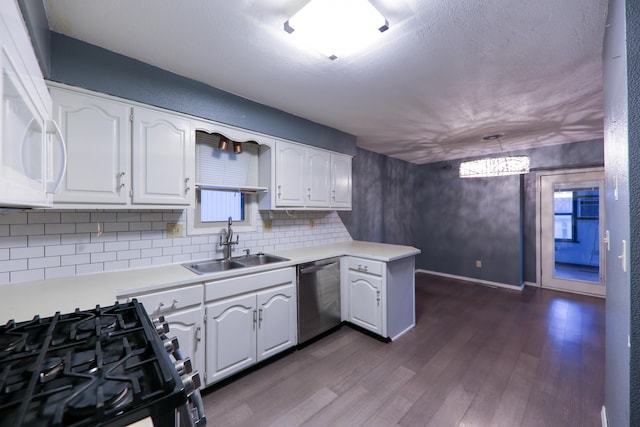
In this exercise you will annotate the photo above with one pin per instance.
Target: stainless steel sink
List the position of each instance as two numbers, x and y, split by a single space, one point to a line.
212 266
259 259
217 265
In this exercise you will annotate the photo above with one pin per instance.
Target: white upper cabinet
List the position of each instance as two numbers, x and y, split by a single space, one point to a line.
340 181
164 157
318 178
122 154
304 178
289 162
97 132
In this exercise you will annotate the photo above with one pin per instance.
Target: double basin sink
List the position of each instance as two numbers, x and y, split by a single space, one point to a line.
217 265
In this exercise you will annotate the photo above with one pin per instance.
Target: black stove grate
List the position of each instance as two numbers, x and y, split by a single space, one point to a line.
100 367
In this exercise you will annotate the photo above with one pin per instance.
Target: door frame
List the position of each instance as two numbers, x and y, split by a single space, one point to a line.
538 178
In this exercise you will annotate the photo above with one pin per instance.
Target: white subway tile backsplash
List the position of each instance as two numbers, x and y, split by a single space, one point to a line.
26 275
59 228
75 259
65 243
28 252
60 250
45 262
100 257
13 265
26 229
53 272
116 265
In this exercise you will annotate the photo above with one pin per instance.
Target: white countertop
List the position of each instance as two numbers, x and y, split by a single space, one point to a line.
21 301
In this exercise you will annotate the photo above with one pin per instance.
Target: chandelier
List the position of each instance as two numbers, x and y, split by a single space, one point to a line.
494 166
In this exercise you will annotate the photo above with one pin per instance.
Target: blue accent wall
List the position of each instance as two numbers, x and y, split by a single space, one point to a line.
87 66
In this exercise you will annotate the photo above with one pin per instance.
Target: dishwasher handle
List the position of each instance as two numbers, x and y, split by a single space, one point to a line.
314 268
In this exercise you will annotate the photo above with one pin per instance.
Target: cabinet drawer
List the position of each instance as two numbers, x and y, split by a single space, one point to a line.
366 266
162 302
248 283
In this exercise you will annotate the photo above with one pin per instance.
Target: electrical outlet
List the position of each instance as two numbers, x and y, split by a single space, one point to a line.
174 230
478 263
267 225
312 223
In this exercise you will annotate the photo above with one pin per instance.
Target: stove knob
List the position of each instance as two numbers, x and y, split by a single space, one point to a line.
171 344
191 382
183 366
162 327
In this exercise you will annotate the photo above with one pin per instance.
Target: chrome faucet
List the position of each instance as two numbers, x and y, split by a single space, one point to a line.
228 241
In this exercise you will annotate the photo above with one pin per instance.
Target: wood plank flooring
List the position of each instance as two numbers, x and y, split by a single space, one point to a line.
479 356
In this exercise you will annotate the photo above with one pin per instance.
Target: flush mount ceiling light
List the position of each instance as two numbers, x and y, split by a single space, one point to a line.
496 166
337 27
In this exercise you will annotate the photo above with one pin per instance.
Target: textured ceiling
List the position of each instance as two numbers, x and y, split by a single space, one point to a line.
444 75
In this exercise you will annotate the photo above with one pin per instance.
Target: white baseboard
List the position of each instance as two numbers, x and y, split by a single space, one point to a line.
534 284
603 417
474 280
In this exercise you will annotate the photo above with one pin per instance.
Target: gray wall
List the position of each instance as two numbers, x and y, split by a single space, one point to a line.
36 20
464 220
633 64
620 133
84 65
383 200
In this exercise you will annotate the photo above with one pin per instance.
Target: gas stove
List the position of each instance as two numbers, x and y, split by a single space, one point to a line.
102 367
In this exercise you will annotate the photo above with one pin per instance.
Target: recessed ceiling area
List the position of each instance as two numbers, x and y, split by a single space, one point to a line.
443 76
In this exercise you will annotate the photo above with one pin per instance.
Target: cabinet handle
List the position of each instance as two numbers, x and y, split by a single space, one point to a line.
198 336
378 297
309 193
334 195
187 187
279 191
255 319
121 181
260 319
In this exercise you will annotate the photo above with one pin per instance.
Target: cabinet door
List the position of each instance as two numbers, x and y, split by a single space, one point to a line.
290 161
277 327
318 178
163 159
187 327
98 136
341 181
231 336
365 301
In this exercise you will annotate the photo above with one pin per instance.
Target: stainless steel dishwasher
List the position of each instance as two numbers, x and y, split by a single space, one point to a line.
318 297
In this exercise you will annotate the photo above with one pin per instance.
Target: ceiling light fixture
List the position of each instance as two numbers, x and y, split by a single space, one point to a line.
237 147
223 143
496 166
337 27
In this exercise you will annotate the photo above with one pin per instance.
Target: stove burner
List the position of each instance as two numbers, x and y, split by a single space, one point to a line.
49 368
10 344
114 395
104 323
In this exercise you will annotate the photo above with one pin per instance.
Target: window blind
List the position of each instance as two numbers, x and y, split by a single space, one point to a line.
218 168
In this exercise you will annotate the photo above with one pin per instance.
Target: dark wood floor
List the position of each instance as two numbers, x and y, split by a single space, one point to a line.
478 356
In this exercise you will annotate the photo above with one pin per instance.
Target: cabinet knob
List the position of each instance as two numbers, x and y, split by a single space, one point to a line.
187 187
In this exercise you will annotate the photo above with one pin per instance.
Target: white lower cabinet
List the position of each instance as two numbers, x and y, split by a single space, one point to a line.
182 310
379 296
365 294
245 329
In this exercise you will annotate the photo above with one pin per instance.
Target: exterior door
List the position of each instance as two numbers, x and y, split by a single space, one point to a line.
571 232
